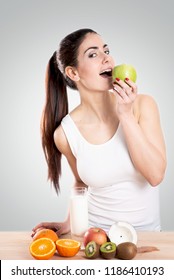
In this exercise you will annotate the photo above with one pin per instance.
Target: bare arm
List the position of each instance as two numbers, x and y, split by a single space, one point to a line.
63 146
139 117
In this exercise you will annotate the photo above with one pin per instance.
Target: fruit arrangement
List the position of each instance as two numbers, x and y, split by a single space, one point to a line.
98 244
120 243
45 243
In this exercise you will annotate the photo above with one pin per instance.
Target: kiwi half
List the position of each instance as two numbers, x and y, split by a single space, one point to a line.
126 251
92 250
108 250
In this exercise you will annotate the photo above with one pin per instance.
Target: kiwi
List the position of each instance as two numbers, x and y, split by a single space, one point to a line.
92 250
126 251
108 250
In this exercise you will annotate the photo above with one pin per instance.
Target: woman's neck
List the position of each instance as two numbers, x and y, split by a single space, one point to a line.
95 106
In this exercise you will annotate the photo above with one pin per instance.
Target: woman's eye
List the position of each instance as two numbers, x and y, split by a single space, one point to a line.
92 55
107 52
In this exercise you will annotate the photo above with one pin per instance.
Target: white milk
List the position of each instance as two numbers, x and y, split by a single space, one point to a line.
79 213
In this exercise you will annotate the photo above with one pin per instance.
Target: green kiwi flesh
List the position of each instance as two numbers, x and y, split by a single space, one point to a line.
92 250
126 251
108 250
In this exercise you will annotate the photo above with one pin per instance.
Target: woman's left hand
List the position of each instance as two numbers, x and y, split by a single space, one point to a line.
126 93
59 227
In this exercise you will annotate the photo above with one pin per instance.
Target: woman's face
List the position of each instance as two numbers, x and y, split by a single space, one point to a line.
94 64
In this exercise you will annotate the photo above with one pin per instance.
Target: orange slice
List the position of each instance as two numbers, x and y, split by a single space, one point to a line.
42 248
48 233
67 247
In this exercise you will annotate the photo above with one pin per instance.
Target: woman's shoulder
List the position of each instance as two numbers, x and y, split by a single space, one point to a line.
76 113
144 103
144 98
60 140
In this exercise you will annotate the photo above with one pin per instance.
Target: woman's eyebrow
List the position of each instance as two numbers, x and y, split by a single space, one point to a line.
94 48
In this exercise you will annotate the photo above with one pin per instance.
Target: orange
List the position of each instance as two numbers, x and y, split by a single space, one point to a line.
67 247
48 233
42 248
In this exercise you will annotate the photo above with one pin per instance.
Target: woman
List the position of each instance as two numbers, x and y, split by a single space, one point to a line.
112 140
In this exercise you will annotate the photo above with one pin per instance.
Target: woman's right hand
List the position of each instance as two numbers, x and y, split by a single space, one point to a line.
59 228
126 93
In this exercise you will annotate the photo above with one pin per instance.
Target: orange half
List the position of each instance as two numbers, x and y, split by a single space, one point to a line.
67 247
42 248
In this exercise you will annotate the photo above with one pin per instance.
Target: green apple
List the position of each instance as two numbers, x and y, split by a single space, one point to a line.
123 71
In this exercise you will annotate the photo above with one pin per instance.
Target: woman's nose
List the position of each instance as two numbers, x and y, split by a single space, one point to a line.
105 58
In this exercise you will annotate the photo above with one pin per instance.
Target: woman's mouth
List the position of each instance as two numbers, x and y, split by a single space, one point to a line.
107 73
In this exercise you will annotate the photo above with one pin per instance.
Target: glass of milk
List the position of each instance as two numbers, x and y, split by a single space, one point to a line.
78 212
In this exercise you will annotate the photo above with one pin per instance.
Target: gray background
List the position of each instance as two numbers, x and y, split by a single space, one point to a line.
138 32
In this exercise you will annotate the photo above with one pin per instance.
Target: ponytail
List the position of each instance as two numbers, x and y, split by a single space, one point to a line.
56 107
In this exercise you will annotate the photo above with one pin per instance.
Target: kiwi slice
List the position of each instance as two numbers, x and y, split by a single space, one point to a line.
126 251
92 250
108 250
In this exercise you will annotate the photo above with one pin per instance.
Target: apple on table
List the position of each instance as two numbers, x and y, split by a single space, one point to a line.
95 234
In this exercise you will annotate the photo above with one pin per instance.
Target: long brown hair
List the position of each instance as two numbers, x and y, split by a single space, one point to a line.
56 105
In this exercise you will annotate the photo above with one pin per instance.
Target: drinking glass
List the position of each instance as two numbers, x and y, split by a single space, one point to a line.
78 212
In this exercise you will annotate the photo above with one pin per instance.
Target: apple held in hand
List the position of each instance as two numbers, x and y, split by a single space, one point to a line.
95 234
123 71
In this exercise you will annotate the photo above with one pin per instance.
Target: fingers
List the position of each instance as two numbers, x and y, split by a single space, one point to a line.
132 85
48 225
60 231
126 89
125 93
59 228
36 228
41 226
63 228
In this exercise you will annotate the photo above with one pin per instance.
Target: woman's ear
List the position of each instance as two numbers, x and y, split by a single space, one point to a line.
72 73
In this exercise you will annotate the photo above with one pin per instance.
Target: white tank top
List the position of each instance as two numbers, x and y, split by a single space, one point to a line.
116 191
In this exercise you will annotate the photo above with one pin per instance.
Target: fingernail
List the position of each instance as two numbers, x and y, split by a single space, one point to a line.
127 79
117 79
